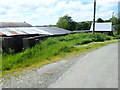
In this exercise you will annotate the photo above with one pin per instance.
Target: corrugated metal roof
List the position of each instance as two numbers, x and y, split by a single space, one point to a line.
6 32
14 24
102 26
21 31
1 34
13 32
32 30
17 31
54 30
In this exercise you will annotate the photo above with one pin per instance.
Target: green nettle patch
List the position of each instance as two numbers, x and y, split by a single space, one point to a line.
49 49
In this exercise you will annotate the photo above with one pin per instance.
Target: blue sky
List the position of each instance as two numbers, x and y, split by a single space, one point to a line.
45 12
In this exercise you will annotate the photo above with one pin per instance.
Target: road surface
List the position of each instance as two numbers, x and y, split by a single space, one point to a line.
97 69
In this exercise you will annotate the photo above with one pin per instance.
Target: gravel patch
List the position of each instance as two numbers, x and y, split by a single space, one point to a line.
41 77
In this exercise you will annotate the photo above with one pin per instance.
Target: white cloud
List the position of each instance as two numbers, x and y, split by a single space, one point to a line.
60 5
49 11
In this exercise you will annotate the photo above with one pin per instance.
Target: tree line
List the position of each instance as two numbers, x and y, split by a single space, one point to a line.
66 22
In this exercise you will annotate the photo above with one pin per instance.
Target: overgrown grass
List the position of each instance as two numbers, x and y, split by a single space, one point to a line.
49 49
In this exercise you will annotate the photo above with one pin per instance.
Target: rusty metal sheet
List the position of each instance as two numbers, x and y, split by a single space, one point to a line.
22 31
13 32
1 34
17 31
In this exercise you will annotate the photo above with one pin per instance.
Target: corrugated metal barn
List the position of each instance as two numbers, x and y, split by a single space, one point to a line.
19 36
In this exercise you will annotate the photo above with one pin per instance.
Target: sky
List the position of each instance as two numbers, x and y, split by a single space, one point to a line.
46 12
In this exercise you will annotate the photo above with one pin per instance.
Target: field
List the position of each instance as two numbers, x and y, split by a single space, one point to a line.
51 50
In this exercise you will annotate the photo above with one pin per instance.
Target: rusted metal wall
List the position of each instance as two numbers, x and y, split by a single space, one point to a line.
8 43
19 43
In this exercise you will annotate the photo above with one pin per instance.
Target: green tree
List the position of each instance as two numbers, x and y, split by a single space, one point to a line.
79 26
83 26
107 21
66 22
52 25
116 23
114 20
117 27
100 20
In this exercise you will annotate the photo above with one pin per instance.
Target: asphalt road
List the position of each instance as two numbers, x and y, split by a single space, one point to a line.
97 69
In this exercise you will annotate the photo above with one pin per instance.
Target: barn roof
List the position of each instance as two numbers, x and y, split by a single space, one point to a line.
13 31
54 30
14 24
107 26
21 31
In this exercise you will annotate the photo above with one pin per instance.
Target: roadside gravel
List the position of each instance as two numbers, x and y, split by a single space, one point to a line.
41 77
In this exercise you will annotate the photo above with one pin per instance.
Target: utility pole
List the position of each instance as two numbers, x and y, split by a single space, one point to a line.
94 16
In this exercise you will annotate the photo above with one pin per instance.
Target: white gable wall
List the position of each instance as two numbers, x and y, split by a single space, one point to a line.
102 26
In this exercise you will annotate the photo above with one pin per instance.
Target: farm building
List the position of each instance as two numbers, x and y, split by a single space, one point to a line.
14 24
105 28
17 29
19 36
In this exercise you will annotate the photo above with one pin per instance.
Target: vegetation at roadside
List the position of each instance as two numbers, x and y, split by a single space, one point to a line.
49 49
